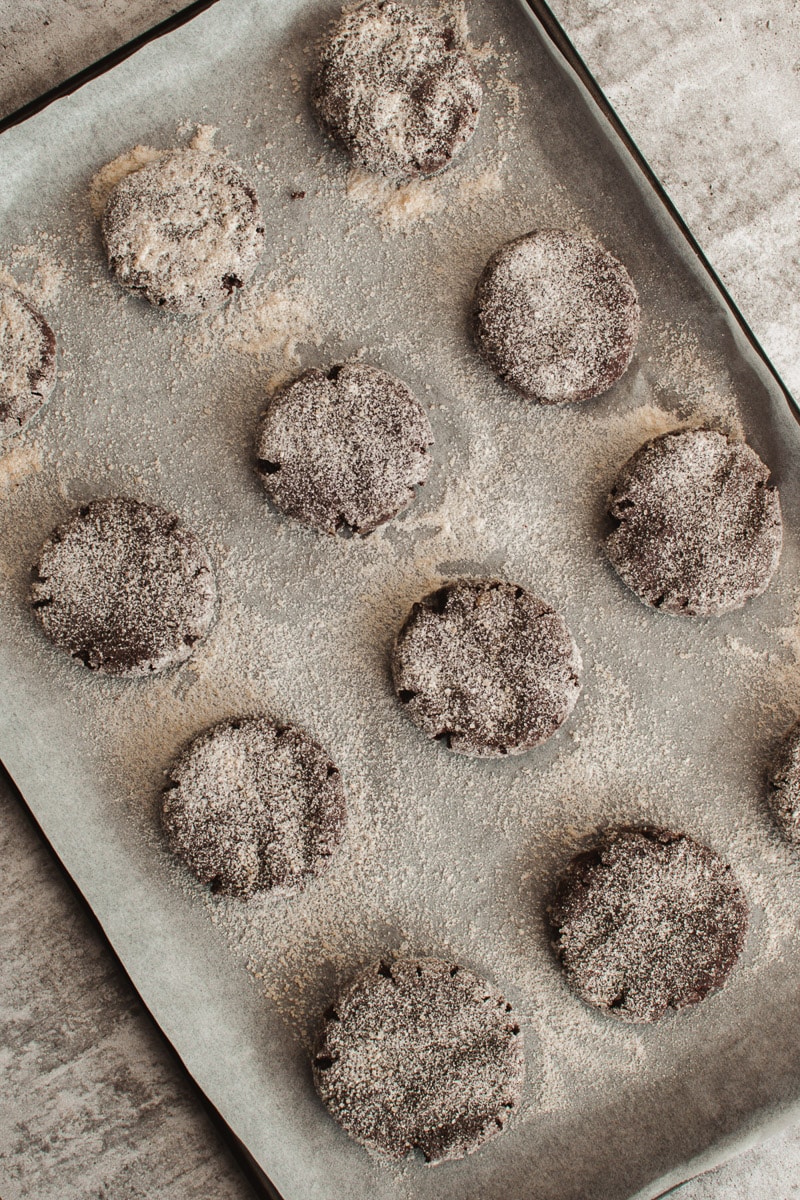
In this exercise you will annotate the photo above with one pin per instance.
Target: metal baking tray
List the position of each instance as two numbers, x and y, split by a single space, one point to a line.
444 855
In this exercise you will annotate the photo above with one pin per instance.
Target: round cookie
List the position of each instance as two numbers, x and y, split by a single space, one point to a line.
487 667
254 805
646 921
698 532
27 361
343 449
124 587
395 85
784 779
419 1054
185 231
556 316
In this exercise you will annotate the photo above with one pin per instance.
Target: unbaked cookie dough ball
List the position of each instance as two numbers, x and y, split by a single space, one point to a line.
784 778
420 1054
647 921
185 231
698 530
124 587
487 667
27 361
343 449
396 86
556 316
252 805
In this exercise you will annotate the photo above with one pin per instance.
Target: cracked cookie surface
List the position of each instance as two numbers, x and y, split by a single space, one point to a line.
698 529
342 450
487 667
124 587
646 921
420 1054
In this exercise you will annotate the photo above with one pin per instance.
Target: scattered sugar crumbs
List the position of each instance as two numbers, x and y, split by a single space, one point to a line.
16 464
264 323
106 179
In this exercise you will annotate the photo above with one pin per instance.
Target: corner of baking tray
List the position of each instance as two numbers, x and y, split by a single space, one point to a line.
550 28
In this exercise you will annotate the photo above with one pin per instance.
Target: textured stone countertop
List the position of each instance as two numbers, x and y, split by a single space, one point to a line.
93 1104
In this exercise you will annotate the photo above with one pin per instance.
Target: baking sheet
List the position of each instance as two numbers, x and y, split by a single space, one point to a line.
444 855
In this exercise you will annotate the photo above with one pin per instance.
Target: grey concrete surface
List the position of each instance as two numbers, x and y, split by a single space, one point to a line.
43 42
93 1102
93 1105
710 90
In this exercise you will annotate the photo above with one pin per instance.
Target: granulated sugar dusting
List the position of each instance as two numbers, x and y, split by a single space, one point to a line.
396 87
647 921
124 587
698 530
16 464
343 449
27 360
185 230
556 316
442 855
486 667
390 1066
253 805
107 178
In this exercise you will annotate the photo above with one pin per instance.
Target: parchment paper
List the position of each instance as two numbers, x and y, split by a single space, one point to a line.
444 855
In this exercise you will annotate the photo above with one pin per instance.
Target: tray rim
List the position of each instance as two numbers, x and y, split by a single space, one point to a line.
768 1122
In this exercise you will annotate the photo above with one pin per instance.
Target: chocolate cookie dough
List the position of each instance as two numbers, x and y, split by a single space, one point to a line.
124 587
487 667
254 805
27 361
343 449
646 921
698 531
556 316
185 231
419 1054
784 778
397 88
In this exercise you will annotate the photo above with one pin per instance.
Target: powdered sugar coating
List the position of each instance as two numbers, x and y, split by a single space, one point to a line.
556 316
647 921
784 778
184 231
397 88
420 1054
254 805
27 360
487 667
124 587
699 531
343 448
